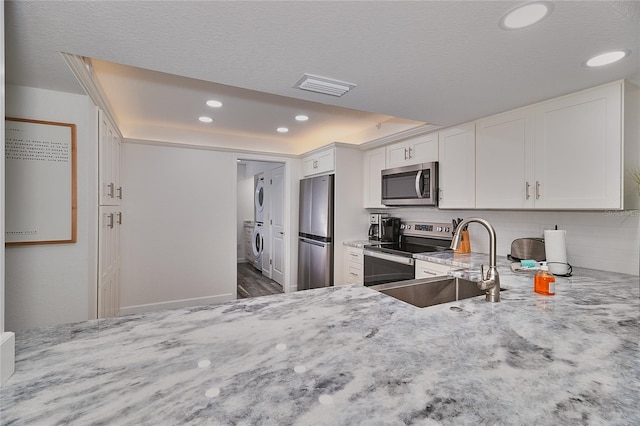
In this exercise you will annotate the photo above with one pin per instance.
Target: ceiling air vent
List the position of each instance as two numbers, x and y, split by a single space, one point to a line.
325 85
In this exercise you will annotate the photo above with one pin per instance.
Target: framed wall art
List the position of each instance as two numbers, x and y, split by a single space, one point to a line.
40 179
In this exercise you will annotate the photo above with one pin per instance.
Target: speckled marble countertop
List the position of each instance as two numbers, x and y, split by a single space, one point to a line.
346 355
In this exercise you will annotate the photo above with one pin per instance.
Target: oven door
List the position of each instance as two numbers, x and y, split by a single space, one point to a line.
380 268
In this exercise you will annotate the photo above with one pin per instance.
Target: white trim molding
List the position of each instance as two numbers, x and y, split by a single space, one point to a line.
176 304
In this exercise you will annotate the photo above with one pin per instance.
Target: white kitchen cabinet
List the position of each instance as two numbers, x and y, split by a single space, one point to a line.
565 153
110 222
415 150
578 150
426 269
109 146
504 160
374 164
354 265
110 218
457 171
319 162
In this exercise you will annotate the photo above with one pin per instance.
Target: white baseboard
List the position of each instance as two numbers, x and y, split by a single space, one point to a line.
7 356
175 304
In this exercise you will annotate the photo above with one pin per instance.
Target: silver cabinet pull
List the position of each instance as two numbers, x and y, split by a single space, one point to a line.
527 186
410 155
120 192
119 218
537 190
110 217
424 271
112 188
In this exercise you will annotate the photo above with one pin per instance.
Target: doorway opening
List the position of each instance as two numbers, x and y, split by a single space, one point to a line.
260 223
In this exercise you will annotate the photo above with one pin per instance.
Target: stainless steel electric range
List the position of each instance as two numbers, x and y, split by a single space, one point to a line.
391 262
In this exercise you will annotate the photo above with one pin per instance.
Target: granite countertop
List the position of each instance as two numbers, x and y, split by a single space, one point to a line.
342 356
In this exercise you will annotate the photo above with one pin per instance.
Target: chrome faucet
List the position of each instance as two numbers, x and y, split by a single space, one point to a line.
491 281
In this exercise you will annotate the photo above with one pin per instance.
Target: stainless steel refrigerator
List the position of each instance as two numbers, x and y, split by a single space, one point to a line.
315 245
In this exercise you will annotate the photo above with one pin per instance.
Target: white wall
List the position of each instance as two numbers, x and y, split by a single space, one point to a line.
178 227
351 221
7 339
606 240
55 283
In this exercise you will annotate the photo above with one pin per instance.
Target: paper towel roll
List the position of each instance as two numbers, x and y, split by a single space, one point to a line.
555 247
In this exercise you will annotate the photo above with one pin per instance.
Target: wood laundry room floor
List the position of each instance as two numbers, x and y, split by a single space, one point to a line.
251 283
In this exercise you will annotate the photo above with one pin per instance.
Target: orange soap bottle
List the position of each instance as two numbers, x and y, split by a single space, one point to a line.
544 282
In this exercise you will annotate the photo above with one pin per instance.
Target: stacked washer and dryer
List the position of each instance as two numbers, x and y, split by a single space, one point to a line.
257 244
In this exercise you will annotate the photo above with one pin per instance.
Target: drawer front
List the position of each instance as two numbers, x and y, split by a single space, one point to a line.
428 269
355 255
354 273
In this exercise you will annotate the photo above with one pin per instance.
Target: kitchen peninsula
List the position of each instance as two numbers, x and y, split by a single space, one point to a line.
345 355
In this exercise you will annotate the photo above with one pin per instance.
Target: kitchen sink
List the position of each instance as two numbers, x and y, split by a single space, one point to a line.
430 291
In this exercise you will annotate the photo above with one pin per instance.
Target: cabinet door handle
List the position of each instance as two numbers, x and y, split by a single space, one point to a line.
112 188
110 217
119 218
410 155
424 271
537 190
405 153
120 192
526 190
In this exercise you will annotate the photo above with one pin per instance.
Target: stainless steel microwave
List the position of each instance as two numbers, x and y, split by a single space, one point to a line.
415 185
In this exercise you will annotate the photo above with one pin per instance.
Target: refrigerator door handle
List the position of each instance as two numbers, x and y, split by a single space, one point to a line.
314 242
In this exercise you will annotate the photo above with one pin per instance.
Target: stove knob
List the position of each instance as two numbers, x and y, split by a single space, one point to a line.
439 229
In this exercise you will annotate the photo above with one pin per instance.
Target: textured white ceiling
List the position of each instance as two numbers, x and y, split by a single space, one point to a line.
442 62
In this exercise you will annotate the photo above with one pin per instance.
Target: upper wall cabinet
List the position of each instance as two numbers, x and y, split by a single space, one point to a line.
578 150
415 150
457 167
568 153
319 162
504 160
374 164
108 162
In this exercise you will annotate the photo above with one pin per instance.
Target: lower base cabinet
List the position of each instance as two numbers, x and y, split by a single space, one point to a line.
354 262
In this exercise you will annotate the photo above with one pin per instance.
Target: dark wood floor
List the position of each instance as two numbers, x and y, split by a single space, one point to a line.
251 283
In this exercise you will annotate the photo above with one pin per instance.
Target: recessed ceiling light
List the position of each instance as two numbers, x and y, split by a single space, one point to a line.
214 104
607 58
205 119
282 129
302 117
525 15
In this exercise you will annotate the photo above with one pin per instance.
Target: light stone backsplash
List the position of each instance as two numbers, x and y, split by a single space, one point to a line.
606 240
